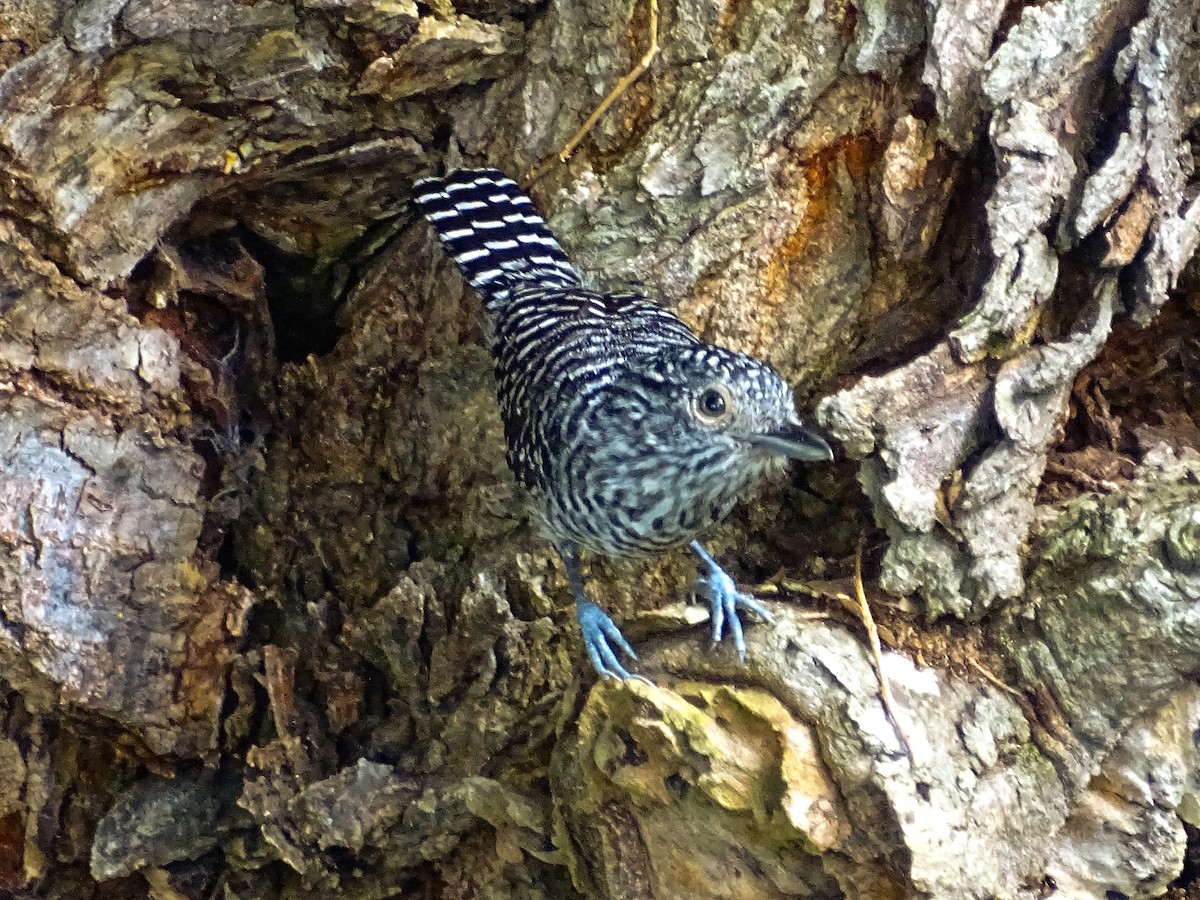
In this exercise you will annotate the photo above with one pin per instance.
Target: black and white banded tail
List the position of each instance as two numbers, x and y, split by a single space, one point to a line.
492 230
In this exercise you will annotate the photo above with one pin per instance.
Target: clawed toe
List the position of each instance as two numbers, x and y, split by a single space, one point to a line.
726 600
600 637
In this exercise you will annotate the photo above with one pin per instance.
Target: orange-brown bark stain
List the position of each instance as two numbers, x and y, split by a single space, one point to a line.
816 185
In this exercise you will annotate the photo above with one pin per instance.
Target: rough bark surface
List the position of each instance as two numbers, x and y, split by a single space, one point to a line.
273 620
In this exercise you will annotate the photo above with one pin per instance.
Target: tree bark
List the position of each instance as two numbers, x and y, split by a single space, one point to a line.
273 619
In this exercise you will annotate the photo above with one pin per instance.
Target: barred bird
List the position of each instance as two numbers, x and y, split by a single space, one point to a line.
629 433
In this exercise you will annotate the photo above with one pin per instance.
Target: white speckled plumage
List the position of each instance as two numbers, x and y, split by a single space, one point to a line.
607 400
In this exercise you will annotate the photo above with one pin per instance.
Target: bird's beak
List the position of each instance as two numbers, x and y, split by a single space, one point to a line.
796 442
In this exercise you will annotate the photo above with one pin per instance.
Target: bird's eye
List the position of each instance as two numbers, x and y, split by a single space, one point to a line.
714 404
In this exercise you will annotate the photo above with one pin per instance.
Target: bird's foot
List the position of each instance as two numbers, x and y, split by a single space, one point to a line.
726 599
600 637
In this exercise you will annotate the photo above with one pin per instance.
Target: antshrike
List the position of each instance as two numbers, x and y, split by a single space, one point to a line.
629 433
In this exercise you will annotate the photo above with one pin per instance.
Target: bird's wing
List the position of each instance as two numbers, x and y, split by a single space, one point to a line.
620 322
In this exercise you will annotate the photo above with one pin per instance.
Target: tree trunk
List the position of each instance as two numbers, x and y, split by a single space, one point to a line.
273 619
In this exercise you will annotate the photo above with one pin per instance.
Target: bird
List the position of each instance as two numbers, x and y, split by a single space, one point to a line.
629 434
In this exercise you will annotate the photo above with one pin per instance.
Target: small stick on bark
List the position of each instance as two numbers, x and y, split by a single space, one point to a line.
620 88
885 687
978 667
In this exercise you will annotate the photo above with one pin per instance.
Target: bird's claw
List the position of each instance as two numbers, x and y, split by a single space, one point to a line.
725 600
600 636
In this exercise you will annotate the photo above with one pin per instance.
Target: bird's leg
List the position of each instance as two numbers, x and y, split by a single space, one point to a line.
726 599
600 633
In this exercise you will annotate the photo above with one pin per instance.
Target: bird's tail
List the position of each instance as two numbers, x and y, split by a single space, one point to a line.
491 229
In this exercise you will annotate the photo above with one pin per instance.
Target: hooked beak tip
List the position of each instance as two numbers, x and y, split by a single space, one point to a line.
796 442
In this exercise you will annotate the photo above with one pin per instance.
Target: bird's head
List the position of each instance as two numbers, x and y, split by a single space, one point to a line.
731 409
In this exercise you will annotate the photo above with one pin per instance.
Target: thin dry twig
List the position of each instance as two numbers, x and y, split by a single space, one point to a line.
1102 413
1082 479
979 667
610 98
885 686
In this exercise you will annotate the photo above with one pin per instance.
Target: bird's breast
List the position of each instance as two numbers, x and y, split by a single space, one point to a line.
636 504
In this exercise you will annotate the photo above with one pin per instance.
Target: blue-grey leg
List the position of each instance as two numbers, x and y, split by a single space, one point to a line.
600 633
726 599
